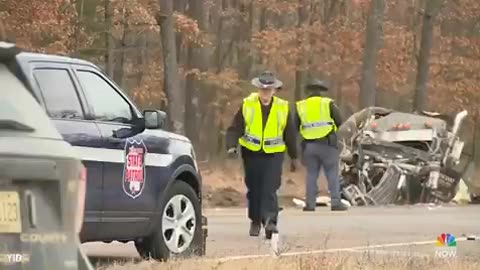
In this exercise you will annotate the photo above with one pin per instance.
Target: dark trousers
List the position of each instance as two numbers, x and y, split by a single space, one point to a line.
263 173
317 155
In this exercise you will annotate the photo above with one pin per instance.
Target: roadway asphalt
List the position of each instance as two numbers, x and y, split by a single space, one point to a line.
384 230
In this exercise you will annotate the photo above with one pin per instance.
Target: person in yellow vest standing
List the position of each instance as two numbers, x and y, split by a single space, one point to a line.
317 119
263 126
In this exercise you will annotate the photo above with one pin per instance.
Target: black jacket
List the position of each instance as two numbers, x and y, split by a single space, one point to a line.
332 137
237 129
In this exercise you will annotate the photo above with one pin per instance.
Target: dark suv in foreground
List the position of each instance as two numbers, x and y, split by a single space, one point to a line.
143 183
42 183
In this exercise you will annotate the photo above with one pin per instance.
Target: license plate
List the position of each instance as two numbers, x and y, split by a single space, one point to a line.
10 217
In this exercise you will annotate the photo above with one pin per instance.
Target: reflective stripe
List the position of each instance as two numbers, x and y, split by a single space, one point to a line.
118 156
317 124
275 141
252 139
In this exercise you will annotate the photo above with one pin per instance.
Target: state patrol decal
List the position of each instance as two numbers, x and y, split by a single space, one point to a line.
134 168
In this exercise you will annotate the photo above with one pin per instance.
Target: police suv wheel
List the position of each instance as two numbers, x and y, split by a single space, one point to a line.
179 232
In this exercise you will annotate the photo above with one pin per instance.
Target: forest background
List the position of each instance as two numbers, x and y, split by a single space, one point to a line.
195 59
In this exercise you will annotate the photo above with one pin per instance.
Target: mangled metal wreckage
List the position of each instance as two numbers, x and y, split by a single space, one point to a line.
391 157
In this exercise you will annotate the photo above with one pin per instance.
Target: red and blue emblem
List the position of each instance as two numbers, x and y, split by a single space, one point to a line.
134 168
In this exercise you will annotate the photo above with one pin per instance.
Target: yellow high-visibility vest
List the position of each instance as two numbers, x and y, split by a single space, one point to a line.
316 120
271 138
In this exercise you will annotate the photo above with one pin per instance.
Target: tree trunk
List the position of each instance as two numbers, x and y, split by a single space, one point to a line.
254 59
415 23
197 59
331 10
263 18
220 55
313 18
172 87
179 6
302 41
118 68
432 8
372 46
141 57
263 23
244 54
3 33
109 60
77 29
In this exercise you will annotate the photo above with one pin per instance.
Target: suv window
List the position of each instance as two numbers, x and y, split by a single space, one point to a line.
107 103
59 93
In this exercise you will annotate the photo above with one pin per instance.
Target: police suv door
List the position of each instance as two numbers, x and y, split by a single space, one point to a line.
66 107
128 196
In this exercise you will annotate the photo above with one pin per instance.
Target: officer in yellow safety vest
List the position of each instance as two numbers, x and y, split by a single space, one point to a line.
263 126
317 119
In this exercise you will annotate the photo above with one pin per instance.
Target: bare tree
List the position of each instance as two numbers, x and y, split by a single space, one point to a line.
373 40
118 72
432 8
78 26
245 18
172 86
220 55
197 59
3 33
109 60
180 7
302 40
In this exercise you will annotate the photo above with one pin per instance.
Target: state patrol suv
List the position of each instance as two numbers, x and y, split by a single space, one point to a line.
143 184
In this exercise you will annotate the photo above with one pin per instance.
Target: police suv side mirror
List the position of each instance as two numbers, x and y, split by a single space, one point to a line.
154 119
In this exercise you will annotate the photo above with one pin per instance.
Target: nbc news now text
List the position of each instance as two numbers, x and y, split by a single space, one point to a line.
446 246
446 252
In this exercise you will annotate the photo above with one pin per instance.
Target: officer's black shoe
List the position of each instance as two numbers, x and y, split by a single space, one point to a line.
340 206
269 230
308 209
255 229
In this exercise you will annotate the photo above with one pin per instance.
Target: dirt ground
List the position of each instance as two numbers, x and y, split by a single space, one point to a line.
223 185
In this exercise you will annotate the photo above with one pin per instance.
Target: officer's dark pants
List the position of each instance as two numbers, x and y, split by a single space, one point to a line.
263 178
317 155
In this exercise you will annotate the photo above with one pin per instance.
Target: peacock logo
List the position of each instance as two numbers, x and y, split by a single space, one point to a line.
446 240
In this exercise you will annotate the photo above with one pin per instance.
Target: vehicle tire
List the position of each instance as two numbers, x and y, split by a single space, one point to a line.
179 232
142 247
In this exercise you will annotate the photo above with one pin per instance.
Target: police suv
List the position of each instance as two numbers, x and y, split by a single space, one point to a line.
42 182
143 183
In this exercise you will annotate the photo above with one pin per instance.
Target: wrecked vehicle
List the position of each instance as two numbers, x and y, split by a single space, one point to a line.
392 157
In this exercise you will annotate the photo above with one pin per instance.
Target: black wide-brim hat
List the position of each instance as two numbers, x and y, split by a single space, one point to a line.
267 80
317 85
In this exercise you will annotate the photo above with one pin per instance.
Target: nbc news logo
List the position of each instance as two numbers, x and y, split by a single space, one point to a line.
446 246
